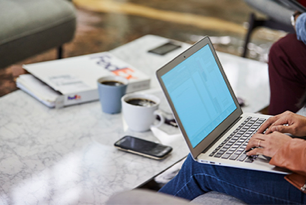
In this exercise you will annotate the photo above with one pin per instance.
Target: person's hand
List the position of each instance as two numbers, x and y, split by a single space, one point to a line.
287 122
266 145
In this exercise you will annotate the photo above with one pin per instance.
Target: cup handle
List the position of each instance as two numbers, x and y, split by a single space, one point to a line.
161 117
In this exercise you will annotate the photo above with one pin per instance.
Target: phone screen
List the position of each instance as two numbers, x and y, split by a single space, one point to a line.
165 48
143 147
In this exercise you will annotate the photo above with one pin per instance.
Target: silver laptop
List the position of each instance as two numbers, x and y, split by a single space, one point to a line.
207 111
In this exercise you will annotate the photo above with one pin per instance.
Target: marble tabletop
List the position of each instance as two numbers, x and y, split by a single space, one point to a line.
249 78
66 156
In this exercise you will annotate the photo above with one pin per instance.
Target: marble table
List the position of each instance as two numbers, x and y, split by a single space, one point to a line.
66 156
249 78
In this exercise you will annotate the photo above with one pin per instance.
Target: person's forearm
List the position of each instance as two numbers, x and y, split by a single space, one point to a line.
301 28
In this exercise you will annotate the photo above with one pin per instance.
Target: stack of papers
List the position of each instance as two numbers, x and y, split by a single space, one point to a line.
71 81
38 89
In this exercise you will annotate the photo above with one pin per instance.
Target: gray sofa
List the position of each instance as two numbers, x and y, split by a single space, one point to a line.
29 27
141 197
277 17
273 10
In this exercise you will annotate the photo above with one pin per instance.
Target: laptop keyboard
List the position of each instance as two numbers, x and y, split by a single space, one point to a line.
233 147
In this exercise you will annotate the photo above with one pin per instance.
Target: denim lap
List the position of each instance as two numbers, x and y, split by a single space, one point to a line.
250 186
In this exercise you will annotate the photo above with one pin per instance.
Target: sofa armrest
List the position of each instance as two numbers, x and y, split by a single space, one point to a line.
273 9
139 197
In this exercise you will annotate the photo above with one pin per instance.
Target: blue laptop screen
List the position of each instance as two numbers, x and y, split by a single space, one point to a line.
199 94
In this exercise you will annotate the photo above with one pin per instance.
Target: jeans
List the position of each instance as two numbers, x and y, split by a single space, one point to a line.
252 187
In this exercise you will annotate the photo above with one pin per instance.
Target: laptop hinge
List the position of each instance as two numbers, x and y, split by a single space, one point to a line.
221 135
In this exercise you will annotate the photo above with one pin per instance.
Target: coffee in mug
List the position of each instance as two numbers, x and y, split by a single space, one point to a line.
141 102
112 83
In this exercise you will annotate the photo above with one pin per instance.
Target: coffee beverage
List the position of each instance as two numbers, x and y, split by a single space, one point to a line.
141 102
112 83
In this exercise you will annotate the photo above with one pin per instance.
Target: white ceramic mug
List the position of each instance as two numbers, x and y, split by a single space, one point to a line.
141 118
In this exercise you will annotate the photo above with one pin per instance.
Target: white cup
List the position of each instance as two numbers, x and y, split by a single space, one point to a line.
140 118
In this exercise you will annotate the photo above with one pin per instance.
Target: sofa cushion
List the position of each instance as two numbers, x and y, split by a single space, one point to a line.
216 198
29 27
273 9
19 18
141 196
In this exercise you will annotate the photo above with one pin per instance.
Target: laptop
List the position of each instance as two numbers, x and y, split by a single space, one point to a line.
207 111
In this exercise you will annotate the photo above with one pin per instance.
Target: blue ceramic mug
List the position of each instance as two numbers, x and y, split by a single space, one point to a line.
111 89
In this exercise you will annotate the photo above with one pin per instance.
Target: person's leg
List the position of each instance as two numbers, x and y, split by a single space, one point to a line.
250 186
287 74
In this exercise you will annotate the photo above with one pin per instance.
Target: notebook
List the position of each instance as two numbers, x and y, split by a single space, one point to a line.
207 111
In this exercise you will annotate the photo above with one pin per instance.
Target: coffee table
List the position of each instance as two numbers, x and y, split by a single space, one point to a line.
249 78
66 156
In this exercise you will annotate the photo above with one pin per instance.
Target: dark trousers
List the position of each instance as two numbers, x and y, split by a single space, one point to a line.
252 187
287 74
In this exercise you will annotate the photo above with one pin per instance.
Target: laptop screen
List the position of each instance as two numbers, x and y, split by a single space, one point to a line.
199 94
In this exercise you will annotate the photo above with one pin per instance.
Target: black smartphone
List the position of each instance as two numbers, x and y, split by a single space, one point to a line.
165 48
143 147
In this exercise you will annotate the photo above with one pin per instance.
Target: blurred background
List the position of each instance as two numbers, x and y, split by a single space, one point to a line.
103 25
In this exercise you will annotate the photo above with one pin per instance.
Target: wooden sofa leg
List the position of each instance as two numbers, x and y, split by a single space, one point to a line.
252 25
60 52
